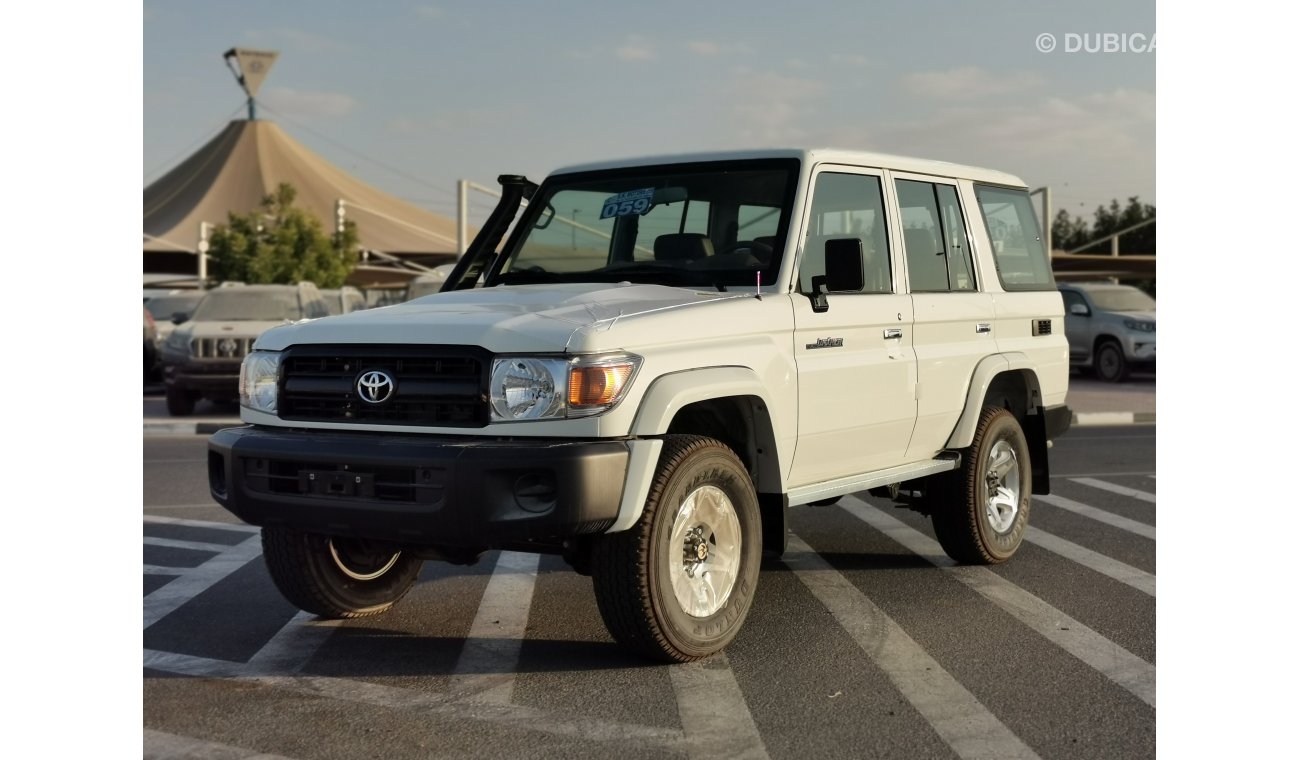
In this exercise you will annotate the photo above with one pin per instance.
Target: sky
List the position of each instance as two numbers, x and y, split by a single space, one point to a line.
411 96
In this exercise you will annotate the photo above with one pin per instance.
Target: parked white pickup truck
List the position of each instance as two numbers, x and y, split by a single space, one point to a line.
664 355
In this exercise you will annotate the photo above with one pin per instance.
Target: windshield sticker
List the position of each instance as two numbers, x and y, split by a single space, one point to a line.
631 202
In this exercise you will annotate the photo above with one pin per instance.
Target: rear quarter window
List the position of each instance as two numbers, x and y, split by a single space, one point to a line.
1018 249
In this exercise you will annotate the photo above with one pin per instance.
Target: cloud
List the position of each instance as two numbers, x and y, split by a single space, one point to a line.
768 107
850 59
308 104
968 83
710 48
637 48
296 40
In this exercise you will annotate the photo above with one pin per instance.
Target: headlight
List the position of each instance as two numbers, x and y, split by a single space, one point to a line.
259 378
545 388
1140 326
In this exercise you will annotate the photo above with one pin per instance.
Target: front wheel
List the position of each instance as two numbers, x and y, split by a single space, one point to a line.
677 586
180 402
337 577
1109 363
985 512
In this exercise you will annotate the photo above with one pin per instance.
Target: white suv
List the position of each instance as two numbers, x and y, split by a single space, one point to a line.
665 354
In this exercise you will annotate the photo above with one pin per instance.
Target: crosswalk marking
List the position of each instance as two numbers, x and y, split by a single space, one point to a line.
159 745
1126 574
487 662
164 520
713 711
1113 488
1100 515
196 546
1110 659
195 581
959 718
293 645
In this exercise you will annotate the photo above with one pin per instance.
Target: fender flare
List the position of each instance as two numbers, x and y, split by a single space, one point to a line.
985 373
665 397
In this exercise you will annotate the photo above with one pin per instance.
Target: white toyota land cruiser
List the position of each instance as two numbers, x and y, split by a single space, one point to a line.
662 357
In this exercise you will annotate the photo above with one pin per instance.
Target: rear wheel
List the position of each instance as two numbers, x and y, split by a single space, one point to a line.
677 585
1109 363
985 506
337 577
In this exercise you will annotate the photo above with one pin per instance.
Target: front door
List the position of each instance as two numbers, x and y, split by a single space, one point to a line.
857 370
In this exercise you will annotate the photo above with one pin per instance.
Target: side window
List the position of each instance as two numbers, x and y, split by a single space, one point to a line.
848 206
1017 243
934 238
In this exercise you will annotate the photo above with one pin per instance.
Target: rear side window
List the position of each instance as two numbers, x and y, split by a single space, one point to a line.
934 238
1017 242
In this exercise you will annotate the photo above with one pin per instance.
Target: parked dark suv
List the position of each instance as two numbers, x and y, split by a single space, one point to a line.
201 357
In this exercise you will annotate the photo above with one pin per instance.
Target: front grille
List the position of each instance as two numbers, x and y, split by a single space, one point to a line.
223 347
444 386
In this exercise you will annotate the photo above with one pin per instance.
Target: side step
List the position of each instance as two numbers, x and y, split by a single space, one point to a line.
946 461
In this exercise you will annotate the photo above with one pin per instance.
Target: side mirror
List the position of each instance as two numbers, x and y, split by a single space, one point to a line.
1079 309
179 317
843 271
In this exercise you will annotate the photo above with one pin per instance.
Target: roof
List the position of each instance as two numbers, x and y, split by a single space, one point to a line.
236 169
815 155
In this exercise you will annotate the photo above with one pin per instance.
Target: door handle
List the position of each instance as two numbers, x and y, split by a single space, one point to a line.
983 327
893 332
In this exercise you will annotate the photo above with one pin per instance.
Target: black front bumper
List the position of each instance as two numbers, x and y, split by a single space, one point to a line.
418 490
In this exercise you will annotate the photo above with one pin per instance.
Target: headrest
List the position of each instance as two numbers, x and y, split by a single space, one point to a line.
684 246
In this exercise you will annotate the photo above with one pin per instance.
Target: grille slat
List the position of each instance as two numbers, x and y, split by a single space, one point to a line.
435 385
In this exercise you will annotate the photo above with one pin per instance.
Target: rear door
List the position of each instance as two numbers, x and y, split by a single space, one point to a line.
857 372
953 318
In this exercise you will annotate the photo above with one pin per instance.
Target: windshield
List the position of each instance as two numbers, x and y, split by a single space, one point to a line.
164 307
708 224
1122 299
252 305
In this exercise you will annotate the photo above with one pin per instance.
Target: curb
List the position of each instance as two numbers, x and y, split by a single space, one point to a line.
1090 419
1085 419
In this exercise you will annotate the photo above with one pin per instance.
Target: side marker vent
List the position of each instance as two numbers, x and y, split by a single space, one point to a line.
1042 327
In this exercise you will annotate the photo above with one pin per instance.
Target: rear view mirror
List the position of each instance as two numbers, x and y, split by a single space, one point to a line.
668 195
1079 309
544 219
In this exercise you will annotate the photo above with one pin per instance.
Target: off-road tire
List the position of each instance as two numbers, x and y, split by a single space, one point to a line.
631 570
306 573
959 500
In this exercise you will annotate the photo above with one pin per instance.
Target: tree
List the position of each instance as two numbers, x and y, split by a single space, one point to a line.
283 244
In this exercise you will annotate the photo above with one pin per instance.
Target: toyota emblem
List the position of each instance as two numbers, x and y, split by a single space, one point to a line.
375 387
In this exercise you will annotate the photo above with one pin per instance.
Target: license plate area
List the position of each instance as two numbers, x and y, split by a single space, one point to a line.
343 483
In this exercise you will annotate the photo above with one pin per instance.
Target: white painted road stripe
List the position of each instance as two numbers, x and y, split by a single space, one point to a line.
163 746
486 667
392 697
1113 488
160 570
164 520
956 715
714 715
165 600
196 546
1100 515
293 645
1110 659
1126 574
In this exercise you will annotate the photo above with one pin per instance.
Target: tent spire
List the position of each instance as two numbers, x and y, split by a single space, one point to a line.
253 68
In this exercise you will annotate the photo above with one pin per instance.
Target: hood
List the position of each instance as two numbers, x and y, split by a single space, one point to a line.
1145 316
531 318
